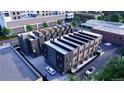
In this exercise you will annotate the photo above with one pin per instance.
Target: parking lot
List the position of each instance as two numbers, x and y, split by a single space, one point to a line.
40 64
99 63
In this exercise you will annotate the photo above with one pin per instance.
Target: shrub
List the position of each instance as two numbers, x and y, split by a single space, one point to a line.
45 25
29 28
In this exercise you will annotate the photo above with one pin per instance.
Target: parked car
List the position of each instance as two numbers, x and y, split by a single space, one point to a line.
107 44
50 70
89 71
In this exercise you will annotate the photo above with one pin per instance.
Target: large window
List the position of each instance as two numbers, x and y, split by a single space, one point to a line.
13 13
18 17
14 18
6 14
46 14
120 37
18 13
38 12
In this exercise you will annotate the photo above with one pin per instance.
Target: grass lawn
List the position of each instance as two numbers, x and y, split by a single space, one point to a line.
2 37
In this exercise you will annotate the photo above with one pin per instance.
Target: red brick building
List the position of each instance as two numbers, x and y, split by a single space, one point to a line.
112 35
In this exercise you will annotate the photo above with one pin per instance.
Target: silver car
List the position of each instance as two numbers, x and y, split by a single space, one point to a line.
89 72
50 70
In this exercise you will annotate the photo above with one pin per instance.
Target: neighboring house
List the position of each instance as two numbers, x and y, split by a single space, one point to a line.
112 31
2 21
69 16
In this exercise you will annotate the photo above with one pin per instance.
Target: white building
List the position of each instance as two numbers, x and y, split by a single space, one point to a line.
70 15
2 21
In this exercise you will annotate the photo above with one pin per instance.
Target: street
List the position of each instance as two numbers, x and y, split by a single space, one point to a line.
12 42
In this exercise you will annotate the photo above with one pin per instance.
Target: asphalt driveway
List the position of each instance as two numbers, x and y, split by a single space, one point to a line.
99 63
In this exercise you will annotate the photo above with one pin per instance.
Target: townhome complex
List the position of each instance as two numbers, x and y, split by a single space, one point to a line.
57 47
69 51
31 42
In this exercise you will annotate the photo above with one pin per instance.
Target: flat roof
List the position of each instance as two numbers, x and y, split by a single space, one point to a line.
89 24
75 39
59 49
91 33
110 29
64 44
70 41
104 23
13 66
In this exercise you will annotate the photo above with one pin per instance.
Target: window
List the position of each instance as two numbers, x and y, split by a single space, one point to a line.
80 51
14 18
18 17
70 64
52 13
75 54
57 57
13 13
38 12
60 65
44 49
18 13
6 14
42 14
49 13
56 13
120 38
60 58
67 59
46 14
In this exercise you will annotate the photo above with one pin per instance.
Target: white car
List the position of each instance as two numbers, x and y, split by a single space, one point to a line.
107 44
89 71
50 70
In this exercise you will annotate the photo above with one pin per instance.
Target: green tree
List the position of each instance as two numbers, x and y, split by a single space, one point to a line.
101 17
116 18
122 16
77 19
45 25
6 31
59 22
29 28
114 70
122 51
74 23
1 30
73 77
